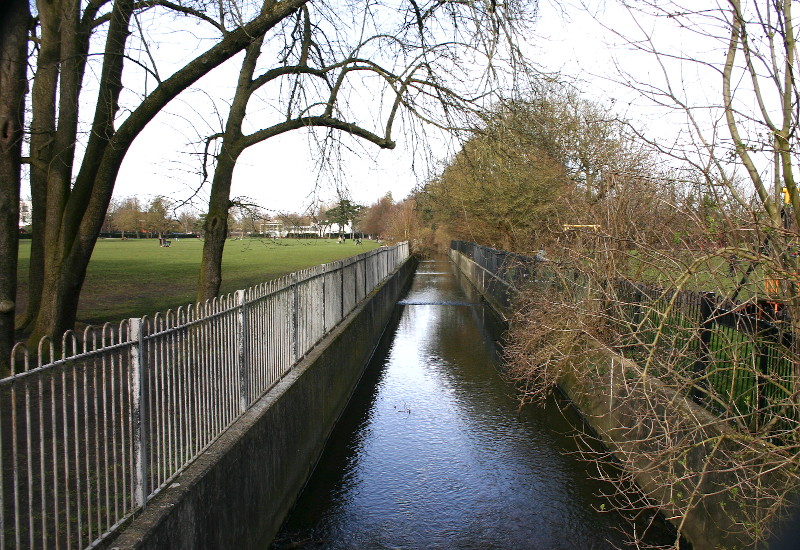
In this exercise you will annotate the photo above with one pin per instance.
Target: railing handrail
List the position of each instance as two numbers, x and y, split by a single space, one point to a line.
302 275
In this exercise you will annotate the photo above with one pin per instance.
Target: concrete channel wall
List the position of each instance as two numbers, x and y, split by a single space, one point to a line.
717 518
494 290
237 494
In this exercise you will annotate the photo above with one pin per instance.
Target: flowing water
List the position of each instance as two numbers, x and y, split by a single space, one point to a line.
433 451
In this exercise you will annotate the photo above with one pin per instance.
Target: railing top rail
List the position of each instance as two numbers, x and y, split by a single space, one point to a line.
470 248
77 357
185 315
765 314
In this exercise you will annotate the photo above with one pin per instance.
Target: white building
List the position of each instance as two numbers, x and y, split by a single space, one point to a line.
25 213
279 229
334 229
272 229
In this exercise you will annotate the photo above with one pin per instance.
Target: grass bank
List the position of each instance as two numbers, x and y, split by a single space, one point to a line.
137 277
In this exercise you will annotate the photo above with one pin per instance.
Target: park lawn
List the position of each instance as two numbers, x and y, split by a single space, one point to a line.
137 277
713 275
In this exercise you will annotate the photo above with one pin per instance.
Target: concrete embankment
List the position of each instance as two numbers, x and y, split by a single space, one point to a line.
700 472
705 475
238 492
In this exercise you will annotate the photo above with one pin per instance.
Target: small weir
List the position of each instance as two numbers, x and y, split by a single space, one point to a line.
433 450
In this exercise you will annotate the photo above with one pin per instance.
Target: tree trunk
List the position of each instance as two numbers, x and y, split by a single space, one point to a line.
219 203
77 213
216 227
14 24
43 108
59 303
61 64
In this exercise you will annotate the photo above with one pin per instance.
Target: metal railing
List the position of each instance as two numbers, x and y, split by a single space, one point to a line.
512 269
88 438
741 356
505 273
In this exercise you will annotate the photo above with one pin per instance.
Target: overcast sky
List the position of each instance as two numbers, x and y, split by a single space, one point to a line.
282 173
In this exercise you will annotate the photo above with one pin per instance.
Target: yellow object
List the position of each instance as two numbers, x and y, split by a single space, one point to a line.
772 286
593 227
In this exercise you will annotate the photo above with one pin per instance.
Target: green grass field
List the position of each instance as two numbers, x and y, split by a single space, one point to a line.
137 277
713 275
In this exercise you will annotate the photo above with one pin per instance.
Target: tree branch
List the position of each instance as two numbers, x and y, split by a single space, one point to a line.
316 121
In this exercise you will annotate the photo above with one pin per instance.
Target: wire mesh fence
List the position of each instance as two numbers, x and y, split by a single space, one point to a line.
107 419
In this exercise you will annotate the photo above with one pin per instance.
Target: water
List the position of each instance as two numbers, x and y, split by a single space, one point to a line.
434 452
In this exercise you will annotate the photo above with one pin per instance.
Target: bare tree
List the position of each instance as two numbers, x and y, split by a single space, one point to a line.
403 223
159 218
404 56
375 216
707 315
15 20
741 145
70 200
129 216
537 164
187 219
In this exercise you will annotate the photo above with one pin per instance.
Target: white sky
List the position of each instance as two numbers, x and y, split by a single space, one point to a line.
281 173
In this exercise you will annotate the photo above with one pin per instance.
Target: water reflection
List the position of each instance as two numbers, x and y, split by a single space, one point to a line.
433 451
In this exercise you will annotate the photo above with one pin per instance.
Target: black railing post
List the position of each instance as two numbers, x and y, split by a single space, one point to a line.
761 403
700 382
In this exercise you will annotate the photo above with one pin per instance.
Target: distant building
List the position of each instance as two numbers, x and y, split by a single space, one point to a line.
280 229
25 213
272 229
312 230
335 229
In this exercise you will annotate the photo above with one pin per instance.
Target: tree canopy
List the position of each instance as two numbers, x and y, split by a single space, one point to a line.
535 165
345 212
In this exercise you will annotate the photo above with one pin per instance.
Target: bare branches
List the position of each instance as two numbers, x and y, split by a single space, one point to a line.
689 338
733 127
148 4
336 70
317 121
628 353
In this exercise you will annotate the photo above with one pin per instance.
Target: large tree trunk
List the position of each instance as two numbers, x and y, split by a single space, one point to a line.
66 205
43 125
60 294
216 228
61 64
14 24
75 215
219 203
